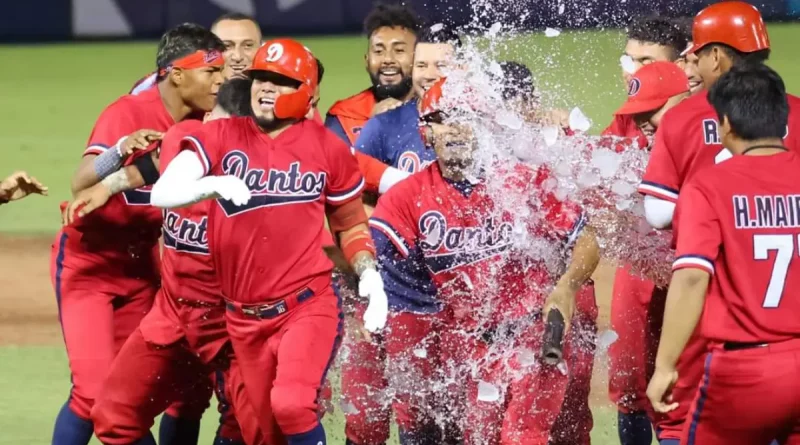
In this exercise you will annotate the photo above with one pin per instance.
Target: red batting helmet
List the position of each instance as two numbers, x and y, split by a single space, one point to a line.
431 99
736 24
289 58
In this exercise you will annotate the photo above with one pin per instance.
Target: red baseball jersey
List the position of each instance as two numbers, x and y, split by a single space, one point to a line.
187 269
272 246
470 244
740 222
122 232
688 141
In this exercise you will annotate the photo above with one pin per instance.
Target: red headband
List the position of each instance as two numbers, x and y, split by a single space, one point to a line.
197 59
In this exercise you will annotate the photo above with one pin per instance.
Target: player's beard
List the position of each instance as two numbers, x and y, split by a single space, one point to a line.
397 91
268 124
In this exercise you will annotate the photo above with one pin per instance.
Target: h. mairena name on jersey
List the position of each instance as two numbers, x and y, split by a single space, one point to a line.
766 211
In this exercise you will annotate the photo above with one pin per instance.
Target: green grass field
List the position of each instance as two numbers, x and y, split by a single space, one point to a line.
51 96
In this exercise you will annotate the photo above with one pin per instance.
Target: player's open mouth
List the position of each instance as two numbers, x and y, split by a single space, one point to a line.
390 76
266 103
238 68
695 84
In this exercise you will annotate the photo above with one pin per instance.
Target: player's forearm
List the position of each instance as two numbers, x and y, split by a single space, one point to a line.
583 262
685 300
182 183
358 248
128 178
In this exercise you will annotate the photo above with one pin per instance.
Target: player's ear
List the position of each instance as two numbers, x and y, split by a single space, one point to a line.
724 127
176 76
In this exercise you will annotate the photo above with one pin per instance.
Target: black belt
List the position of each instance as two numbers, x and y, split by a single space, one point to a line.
736 346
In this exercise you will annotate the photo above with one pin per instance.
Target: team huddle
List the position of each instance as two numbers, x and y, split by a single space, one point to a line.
224 239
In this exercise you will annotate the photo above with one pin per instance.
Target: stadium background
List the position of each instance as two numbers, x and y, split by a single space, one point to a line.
63 61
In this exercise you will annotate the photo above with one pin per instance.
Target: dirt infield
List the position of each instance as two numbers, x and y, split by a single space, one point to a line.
28 311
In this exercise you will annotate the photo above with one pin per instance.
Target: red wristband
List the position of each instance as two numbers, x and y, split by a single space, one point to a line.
355 243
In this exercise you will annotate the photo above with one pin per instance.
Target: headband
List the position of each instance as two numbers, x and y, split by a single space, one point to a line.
198 59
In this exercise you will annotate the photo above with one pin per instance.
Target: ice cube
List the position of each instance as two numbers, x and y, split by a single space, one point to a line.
622 188
526 357
437 27
606 161
509 120
488 392
550 134
421 352
552 32
624 204
561 8
578 121
494 29
606 339
627 63
587 179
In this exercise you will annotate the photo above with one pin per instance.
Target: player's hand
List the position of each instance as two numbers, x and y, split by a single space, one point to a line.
231 188
390 103
370 285
139 140
659 391
19 185
563 299
85 202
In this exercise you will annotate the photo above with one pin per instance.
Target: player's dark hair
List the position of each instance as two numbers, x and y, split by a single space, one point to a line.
391 15
737 57
320 70
234 96
236 17
517 81
439 33
660 31
753 98
183 40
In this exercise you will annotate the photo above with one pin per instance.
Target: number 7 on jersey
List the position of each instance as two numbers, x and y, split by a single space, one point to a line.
784 245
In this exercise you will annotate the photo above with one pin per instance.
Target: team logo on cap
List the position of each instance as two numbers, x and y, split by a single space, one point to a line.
634 86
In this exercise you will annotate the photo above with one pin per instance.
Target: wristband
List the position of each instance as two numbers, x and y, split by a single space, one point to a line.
356 242
109 161
147 168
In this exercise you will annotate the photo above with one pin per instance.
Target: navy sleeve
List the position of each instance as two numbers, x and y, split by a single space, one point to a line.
370 140
407 281
332 123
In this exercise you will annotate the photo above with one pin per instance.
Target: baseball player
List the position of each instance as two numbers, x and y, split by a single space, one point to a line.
19 185
393 137
636 304
241 35
183 338
688 141
275 176
574 422
650 39
105 267
392 33
738 216
489 286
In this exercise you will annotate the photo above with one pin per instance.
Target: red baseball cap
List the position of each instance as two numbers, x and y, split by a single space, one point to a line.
652 86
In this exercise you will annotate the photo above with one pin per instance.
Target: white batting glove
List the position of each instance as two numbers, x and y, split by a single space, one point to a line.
371 285
231 188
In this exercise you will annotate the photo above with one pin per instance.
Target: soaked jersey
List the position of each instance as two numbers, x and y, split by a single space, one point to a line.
487 262
188 271
688 140
393 138
740 222
623 126
272 246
